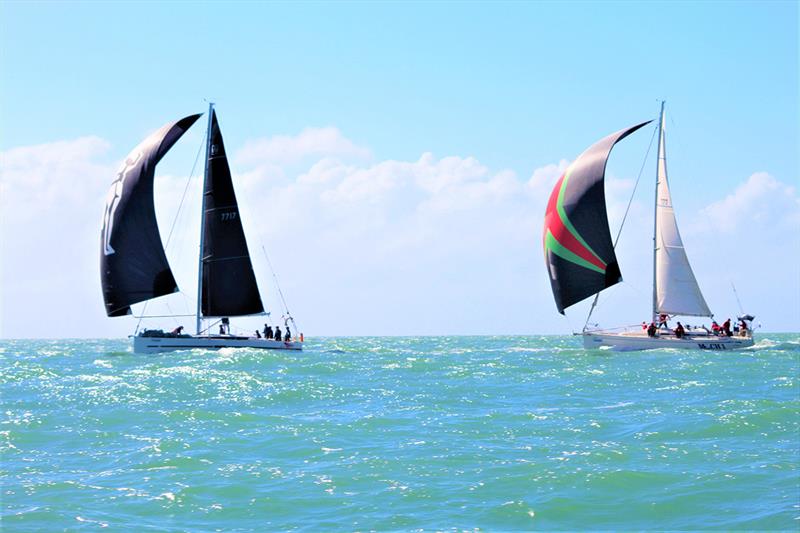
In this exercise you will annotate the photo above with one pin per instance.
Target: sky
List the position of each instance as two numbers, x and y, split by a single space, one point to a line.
394 159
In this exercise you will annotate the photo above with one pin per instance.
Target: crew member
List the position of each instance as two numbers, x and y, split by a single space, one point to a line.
726 328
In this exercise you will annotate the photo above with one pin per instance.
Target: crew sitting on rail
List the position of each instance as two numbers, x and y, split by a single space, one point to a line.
715 329
679 331
278 333
258 334
651 329
177 331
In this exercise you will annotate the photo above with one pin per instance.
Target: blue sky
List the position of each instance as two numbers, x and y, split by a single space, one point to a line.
329 110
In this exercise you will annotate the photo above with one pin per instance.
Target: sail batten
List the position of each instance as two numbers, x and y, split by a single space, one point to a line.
133 264
228 284
676 291
579 252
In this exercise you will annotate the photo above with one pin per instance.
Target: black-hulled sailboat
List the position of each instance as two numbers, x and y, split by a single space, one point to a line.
581 262
133 263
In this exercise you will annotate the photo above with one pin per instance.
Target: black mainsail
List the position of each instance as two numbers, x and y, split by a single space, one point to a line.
133 265
228 284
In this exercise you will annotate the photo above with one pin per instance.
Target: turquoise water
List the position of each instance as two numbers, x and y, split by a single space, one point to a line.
491 433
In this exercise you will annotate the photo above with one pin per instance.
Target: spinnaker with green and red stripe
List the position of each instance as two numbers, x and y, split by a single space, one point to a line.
578 249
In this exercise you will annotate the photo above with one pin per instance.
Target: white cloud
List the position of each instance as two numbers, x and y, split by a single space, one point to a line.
36 178
426 246
762 201
310 143
51 204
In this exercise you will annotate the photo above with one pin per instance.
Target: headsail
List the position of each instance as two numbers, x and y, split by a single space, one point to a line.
578 249
228 286
133 265
676 289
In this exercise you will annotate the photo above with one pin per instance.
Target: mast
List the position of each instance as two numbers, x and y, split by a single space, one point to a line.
203 220
661 155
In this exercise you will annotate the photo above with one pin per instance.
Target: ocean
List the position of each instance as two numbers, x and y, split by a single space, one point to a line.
393 433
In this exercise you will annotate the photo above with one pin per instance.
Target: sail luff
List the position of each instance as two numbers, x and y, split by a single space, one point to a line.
199 318
660 155
675 288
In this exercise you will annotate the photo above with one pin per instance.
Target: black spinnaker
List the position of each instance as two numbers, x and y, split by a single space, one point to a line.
228 282
133 265
578 249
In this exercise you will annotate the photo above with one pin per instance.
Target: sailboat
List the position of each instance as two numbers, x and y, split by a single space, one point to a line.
581 261
133 263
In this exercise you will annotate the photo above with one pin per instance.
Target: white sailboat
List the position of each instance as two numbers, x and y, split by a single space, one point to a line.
581 260
134 266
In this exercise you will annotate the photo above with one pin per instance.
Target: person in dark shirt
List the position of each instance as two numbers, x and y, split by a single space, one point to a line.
278 333
651 329
743 328
258 334
726 327
288 335
221 329
679 331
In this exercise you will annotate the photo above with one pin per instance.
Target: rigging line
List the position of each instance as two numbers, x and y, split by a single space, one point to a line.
280 292
624 217
635 185
161 316
739 303
185 189
174 221
175 318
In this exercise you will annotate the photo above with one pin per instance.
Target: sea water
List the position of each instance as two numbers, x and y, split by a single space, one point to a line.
430 433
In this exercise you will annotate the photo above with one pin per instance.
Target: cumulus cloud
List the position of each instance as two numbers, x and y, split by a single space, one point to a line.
760 201
35 178
436 244
310 143
51 202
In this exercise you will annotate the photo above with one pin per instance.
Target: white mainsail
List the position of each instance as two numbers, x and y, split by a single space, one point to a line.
676 291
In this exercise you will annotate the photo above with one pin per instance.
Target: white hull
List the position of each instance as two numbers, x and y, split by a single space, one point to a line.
168 344
630 341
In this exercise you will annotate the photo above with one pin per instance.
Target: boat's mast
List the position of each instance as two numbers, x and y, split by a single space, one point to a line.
661 156
203 221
